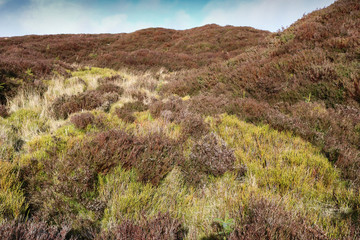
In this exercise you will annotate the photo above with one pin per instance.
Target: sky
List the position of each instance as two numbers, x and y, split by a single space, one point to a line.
24 17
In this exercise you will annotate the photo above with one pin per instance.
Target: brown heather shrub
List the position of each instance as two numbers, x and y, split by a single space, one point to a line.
71 189
110 80
126 112
210 155
65 105
162 227
110 88
3 111
356 93
267 219
178 111
82 120
138 95
173 104
193 124
33 231
153 156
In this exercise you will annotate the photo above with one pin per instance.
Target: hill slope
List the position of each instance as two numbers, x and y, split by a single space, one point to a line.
208 133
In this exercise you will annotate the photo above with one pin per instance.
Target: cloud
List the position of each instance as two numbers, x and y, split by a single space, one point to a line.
262 14
63 16
48 17
180 20
116 24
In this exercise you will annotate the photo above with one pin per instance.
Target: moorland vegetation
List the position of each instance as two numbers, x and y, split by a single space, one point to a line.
208 133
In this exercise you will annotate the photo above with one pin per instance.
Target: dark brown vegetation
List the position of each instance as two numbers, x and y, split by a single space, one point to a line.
126 111
103 97
3 111
178 111
266 219
33 231
82 120
75 171
161 227
209 156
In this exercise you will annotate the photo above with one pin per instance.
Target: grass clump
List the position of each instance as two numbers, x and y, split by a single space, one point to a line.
12 199
287 166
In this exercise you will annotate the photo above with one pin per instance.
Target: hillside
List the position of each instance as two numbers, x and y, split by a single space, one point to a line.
141 50
207 133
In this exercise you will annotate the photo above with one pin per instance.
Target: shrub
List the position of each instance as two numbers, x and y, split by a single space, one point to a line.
3 111
110 80
266 219
126 112
70 192
176 110
33 231
160 227
65 105
210 155
82 120
110 88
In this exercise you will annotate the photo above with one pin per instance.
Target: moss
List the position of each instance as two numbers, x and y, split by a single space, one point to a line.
94 71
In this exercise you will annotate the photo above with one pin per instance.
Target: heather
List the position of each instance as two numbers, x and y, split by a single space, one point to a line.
208 133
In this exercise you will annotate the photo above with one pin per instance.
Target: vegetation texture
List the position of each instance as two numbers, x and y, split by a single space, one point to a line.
208 133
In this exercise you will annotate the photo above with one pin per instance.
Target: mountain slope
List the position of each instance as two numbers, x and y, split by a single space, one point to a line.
208 133
304 79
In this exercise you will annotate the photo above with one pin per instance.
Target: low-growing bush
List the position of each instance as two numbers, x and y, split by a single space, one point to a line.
176 110
110 80
110 88
210 155
126 112
33 231
82 120
3 111
70 192
65 105
267 219
162 227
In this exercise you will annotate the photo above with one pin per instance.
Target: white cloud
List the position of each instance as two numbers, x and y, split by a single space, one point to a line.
262 14
65 16
48 17
116 24
180 20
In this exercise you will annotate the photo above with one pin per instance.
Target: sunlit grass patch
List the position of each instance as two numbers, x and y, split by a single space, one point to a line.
12 199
